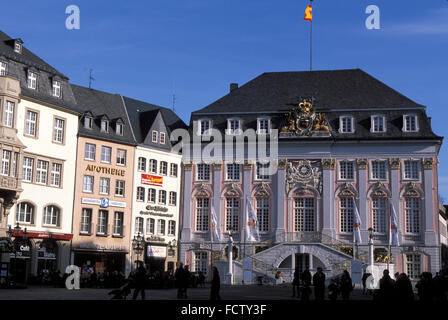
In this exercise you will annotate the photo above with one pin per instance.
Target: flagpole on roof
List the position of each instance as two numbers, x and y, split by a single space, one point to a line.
311 41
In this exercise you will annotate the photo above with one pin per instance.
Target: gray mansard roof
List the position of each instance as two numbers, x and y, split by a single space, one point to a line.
335 93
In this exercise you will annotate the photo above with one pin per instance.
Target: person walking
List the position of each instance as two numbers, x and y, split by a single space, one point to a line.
216 285
346 285
387 287
139 282
319 284
296 284
333 290
179 280
404 288
306 276
425 288
186 281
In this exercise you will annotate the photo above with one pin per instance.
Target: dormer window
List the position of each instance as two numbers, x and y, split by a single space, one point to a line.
119 129
18 46
263 126
32 80
88 122
204 127
104 125
378 123
233 126
162 138
154 136
3 68
410 123
346 124
56 89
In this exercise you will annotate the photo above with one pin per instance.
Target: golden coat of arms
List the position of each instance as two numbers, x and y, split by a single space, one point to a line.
304 121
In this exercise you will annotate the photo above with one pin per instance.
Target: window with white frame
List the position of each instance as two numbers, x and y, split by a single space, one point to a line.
262 171
119 188
152 195
379 170
233 171
233 126
346 124
173 169
27 173
378 123
103 220
202 214
2 68
154 136
104 185
346 214
153 166
171 228
304 214
412 212
139 225
56 89
118 223
31 123
204 127
141 164
89 151
200 262
161 227
232 214
8 114
56 171
58 131
25 213
6 162
87 184
150 226
411 169
104 125
32 80
106 154
413 265
41 172
119 128
52 216
17 47
410 123
140 194
173 198
162 196
88 122
263 126
162 138
346 170
379 214
263 214
163 168
86 221
121 157
203 173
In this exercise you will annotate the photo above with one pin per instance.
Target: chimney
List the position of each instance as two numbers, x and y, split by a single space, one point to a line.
233 86
429 120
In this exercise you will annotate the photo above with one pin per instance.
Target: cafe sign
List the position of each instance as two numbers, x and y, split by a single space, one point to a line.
152 180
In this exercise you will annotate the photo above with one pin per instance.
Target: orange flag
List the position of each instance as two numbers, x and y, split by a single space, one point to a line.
308 13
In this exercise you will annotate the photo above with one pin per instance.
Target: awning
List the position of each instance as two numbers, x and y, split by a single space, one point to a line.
44 235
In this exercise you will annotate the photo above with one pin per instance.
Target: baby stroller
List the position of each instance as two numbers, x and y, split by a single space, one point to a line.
122 292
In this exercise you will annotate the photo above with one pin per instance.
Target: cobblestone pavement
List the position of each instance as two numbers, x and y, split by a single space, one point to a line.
249 292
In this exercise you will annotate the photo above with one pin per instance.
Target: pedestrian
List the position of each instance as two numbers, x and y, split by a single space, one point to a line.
425 287
346 285
387 287
216 285
404 288
306 276
296 283
333 290
139 282
319 284
186 281
305 291
201 279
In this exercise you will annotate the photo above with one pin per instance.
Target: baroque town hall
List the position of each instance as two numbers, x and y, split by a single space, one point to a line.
346 142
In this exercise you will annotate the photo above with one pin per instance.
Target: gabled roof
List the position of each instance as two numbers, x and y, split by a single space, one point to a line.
334 89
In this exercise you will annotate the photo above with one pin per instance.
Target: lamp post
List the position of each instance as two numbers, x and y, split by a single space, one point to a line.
229 275
138 244
371 259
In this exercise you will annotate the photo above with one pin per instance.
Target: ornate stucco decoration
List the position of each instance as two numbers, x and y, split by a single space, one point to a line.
428 163
281 164
328 164
303 121
304 173
203 192
394 163
411 190
262 191
232 191
347 190
247 165
362 163
188 166
217 165
379 190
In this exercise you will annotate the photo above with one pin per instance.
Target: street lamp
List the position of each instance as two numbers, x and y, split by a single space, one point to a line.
138 244
229 275
371 260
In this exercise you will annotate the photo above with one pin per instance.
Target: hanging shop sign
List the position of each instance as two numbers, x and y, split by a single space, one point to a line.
156 251
104 202
106 170
152 180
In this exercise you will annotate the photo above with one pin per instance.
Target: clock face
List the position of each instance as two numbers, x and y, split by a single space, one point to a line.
304 170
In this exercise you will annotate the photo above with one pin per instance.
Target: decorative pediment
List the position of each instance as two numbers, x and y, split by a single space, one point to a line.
411 190
347 190
379 190
203 191
262 190
232 191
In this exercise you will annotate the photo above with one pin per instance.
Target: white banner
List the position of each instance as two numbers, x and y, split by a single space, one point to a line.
393 234
252 224
156 251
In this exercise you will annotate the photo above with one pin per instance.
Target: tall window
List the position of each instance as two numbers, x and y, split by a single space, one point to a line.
171 228
104 125
141 164
378 123
150 226
32 80
412 209
106 154
304 214
51 216
27 173
233 171
346 170
263 214
232 214
152 195
203 172
6 162
204 127
119 188
410 123
8 116
42 172
31 123
154 136
56 170
56 89
121 157
173 198
88 122
139 225
140 194
346 124
162 138
262 171
346 214
200 262
413 265
103 217
58 134
87 184
161 227
153 166
379 214
2 68
25 213
89 151
86 221
379 170
202 214
163 168
173 169
104 185
118 223
411 171
119 129
162 196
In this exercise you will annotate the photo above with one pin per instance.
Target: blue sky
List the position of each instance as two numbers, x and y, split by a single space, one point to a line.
144 49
